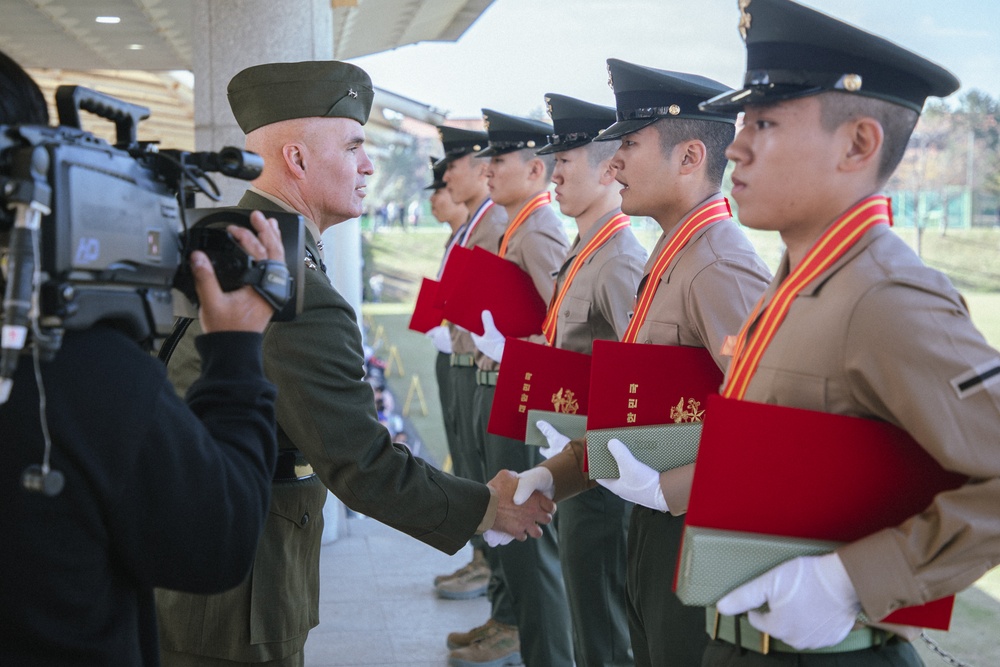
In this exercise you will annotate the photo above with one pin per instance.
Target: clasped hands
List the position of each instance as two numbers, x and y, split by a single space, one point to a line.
518 516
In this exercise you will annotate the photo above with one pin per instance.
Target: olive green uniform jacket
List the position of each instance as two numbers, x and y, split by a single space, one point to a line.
326 410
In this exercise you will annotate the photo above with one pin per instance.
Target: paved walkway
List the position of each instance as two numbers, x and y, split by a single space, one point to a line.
377 603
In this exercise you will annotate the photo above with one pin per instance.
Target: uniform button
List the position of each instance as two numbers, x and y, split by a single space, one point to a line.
305 519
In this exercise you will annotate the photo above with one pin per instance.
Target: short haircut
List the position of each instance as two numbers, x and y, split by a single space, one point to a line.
837 108
600 151
21 100
714 135
548 161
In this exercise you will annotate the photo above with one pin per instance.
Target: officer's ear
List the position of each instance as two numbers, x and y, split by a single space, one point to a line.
295 159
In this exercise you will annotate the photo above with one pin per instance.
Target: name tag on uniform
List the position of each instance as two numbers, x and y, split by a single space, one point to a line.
977 379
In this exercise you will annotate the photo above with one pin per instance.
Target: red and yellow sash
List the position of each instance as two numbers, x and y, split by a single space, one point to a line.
609 229
711 212
830 247
538 201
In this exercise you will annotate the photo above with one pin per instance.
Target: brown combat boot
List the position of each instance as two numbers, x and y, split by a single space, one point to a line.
498 645
462 639
467 582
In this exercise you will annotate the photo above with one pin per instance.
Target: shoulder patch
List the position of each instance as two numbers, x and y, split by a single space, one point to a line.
977 379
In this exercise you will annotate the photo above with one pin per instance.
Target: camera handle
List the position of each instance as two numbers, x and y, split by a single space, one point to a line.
126 116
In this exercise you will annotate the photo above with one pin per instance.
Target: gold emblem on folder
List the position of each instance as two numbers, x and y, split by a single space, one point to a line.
691 413
565 401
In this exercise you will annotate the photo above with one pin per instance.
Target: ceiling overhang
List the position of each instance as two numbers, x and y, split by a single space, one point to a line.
64 34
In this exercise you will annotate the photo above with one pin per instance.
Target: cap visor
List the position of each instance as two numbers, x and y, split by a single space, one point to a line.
623 127
548 149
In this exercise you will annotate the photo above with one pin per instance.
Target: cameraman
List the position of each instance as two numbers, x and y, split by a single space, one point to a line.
155 493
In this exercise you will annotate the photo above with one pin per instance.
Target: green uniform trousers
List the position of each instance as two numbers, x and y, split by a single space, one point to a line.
466 456
446 393
174 659
664 631
529 571
592 533
893 654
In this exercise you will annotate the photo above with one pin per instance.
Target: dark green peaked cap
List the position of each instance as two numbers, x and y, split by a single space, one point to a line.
438 167
265 94
644 95
794 51
575 123
512 133
458 142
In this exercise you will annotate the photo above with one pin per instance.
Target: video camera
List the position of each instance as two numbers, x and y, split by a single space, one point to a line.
93 232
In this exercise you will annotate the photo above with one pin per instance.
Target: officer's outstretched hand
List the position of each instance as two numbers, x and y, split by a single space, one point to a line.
516 521
491 343
811 602
637 482
242 309
555 440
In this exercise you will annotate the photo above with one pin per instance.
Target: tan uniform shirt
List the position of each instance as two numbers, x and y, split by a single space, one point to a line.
538 246
704 296
485 235
880 335
598 302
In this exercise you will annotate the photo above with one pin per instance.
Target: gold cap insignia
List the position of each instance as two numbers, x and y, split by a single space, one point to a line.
673 110
744 18
486 123
851 82
351 92
548 106
611 81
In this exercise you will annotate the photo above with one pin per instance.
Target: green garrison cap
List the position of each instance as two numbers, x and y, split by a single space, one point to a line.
644 95
512 133
438 166
575 123
458 142
794 51
265 94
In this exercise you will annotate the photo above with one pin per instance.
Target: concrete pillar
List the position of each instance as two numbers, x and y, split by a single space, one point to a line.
228 36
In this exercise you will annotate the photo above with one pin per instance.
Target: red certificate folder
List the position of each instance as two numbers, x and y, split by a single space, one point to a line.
642 385
426 315
775 470
453 274
488 282
537 377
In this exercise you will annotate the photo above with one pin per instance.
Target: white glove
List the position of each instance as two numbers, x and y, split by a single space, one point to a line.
811 602
531 480
556 440
492 341
497 538
441 337
637 482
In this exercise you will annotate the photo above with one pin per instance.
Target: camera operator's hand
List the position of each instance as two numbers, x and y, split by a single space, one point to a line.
242 309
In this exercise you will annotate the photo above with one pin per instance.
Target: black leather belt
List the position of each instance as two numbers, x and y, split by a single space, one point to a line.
292 467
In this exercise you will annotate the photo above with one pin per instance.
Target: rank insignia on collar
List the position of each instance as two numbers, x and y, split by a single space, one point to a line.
310 263
744 18
351 92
